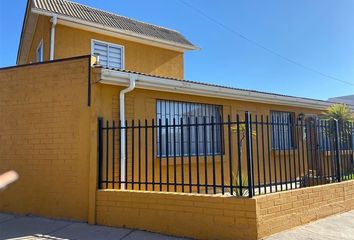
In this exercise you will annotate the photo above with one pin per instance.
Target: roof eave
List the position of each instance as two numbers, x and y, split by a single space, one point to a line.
95 27
120 78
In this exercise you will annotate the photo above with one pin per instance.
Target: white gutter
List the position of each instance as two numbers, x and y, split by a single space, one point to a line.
54 21
132 79
120 78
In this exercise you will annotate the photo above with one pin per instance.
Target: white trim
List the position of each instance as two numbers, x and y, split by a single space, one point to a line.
40 46
115 32
110 44
54 21
120 78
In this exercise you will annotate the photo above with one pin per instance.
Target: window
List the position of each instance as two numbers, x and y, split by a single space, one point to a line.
324 135
200 138
282 130
110 55
39 52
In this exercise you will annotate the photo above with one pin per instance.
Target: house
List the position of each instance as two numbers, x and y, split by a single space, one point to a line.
101 126
349 99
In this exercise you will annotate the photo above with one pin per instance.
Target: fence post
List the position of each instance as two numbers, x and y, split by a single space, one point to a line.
249 153
100 151
337 149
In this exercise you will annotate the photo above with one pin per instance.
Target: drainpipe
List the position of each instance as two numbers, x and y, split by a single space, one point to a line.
123 160
54 21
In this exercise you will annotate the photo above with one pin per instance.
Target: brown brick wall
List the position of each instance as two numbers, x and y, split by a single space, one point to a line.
190 215
281 211
44 136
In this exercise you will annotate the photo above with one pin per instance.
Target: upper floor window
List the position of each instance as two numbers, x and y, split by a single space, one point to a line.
282 130
110 55
197 128
39 52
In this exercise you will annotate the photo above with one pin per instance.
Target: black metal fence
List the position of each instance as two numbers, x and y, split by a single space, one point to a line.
243 156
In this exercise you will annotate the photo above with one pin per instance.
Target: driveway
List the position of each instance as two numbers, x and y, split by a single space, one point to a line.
36 228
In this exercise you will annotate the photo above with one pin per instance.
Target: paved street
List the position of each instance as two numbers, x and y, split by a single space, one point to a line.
35 228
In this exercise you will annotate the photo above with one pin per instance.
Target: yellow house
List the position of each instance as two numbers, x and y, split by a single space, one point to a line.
102 127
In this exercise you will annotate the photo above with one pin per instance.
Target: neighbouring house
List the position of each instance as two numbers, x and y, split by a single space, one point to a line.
349 99
102 127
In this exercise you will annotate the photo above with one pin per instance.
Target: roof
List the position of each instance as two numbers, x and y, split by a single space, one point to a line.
348 99
107 19
212 90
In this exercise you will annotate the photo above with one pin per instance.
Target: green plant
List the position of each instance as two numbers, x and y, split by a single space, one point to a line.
340 112
243 181
343 115
241 128
237 181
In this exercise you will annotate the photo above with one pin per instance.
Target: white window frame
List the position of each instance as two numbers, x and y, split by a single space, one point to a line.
40 46
111 44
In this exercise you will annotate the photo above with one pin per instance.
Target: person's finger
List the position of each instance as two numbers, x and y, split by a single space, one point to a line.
7 178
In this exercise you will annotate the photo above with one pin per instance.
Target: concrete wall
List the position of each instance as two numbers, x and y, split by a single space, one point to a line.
45 137
196 216
281 211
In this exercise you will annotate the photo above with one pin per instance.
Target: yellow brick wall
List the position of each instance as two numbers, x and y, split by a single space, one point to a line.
196 216
141 105
138 57
45 137
71 42
281 211
42 32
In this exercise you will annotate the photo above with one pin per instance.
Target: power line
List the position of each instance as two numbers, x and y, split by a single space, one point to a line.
225 27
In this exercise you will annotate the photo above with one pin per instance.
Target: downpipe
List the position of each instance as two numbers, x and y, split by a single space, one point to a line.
54 21
123 160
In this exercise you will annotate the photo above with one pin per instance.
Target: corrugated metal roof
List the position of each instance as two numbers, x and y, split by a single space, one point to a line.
82 12
219 86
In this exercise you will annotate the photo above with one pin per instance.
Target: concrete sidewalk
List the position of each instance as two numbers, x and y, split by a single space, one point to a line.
37 228
337 227
34 228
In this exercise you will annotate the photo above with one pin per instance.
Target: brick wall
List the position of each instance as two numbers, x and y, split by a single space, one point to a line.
281 211
197 216
44 136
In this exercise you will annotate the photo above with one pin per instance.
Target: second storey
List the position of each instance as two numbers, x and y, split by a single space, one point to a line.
50 34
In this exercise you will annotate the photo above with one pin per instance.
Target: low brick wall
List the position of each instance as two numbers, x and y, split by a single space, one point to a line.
281 211
196 216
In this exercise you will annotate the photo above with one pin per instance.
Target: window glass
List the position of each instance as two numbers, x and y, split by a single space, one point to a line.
39 53
200 133
282 130
110 55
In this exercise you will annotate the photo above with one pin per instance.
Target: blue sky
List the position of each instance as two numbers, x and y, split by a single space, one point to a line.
318 34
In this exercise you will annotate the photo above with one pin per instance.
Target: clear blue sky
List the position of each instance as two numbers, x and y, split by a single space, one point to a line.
316 33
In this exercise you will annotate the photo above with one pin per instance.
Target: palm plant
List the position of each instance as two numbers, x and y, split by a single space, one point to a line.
340 112
238 181
344 117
